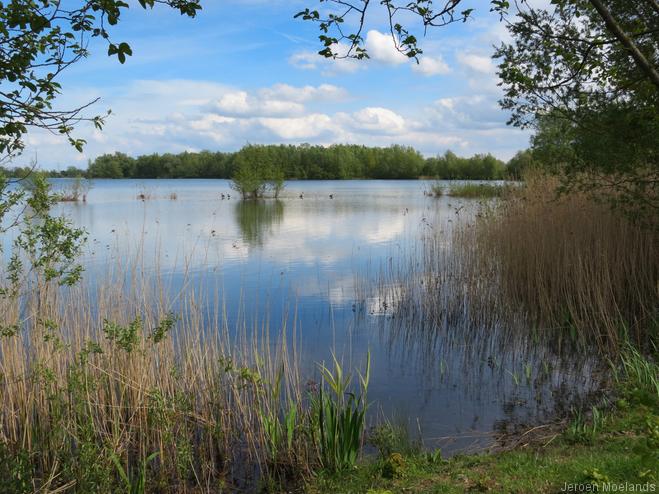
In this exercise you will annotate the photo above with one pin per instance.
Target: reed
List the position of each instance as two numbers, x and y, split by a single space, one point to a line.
568 263
105 388
477 191
468 190
75 191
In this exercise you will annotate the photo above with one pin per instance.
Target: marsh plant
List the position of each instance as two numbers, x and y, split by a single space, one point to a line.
566 268
76 191
339 416
571 263
105 389
469 190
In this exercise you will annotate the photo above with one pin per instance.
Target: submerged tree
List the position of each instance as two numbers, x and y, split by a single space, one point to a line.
256 173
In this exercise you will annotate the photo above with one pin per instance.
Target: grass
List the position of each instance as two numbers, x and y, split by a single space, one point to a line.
105 389
621 445
470 190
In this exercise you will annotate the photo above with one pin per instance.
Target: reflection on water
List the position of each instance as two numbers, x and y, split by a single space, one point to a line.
256 219
324 265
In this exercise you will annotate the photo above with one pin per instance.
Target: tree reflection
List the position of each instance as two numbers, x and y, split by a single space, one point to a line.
256 219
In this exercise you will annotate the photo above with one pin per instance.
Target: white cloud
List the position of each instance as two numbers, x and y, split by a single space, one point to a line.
235 102
430 66
381 47
280 100
303 128
309 60
473 112
381 50
324 92
240 103
477 63
377 120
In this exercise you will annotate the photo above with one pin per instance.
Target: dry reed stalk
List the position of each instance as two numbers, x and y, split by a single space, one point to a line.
192 396
569 262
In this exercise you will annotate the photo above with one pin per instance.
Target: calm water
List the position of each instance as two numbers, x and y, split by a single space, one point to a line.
314 260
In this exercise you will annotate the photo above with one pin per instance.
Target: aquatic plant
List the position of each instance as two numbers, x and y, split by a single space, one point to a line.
478 190
339 416
572 265
75 192
638 372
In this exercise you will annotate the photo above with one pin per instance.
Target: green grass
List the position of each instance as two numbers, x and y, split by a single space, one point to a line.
477 190
622 452
469 190
621 445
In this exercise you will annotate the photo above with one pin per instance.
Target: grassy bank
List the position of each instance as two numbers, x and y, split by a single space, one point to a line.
616 443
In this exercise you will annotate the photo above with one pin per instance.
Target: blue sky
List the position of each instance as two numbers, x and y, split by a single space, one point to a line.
247 72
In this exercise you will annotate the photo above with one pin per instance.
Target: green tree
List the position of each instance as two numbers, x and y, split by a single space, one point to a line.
519 164
250 178
45 249
591 63
39 40
567 60
584 75
117 165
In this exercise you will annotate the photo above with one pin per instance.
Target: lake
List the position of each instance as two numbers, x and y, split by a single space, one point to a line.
323 260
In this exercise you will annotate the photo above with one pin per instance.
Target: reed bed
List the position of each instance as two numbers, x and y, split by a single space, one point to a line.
533 269
470 190
568 263
105 389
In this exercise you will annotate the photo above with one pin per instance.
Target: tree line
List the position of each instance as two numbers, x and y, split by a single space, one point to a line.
301 162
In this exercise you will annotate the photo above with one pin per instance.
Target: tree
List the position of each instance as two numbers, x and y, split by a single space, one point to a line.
613 19
338 43
250 177
583 75
519 164
39 40
257 171
591 63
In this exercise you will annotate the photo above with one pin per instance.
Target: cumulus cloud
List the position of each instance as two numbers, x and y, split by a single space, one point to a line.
324 92
303 128
280 100
240 103
381 50
377 121
430 66
381 47
475 62
465 113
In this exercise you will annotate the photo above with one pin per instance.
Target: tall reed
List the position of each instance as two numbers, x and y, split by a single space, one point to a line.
569 262
115 384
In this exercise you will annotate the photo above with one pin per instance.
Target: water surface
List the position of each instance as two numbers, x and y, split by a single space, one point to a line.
314 259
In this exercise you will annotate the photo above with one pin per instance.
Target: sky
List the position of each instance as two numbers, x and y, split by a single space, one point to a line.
246 72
